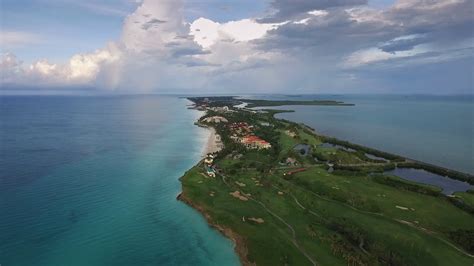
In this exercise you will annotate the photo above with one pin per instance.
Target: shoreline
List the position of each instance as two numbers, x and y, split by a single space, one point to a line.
455 163
212 146
213 143
239 243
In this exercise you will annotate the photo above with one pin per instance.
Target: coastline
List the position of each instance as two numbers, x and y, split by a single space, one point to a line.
408 138
239 244
213 143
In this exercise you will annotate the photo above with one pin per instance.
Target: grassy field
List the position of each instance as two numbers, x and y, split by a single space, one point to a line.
318 217
466 197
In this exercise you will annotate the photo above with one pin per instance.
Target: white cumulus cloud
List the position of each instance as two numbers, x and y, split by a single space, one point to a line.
207 32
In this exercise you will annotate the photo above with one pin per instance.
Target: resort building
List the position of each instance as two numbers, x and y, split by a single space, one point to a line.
209 159
291 161
223 109
254 142
210 171
290 133
235 138
240 128
215 119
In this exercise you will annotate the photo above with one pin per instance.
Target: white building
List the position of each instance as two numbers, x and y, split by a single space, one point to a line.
215 119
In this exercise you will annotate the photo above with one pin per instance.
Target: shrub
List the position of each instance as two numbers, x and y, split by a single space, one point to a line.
464 238
400 184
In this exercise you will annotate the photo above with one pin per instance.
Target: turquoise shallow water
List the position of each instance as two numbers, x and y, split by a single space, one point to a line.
93 181
433 129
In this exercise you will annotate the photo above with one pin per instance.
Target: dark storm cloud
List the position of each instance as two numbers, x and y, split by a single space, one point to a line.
152 23
287 9
358 47
398 45
344 30
439 20
336 33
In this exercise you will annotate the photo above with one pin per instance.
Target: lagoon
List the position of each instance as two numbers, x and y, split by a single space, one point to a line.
434 129
448 185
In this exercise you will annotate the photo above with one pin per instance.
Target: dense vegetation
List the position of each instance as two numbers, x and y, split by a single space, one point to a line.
333 212
216 101
263 103
465 238
407 185
375 152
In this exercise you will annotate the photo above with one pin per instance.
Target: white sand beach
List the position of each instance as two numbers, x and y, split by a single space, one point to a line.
213 142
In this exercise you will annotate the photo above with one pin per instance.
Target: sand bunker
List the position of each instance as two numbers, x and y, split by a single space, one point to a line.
236 194
257 220
240 184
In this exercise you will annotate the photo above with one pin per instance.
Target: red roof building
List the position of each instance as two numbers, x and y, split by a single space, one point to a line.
254 142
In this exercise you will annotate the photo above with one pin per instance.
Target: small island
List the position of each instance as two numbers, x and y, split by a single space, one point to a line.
286 195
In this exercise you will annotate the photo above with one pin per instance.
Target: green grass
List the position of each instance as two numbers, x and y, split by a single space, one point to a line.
434 213
467 198
270 243
286 142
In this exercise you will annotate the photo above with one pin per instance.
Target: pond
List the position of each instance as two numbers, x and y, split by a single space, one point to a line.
448 185
330 145
302 147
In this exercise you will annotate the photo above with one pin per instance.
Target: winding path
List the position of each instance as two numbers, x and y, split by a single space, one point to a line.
293 232
428 232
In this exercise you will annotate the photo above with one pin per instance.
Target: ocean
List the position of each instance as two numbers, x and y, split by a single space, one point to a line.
433 129
93 180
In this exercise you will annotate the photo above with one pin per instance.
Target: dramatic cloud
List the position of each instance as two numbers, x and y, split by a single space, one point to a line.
299 46
347 42
289 9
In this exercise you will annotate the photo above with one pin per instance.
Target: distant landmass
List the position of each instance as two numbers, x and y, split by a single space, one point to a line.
251 103
263 103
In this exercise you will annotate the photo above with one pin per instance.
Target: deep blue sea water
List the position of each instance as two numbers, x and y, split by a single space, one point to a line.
433 129
93 181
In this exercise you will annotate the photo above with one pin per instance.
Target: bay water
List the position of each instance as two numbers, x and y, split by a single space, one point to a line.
433 129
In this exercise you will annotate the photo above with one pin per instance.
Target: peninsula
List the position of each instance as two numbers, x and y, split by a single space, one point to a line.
263 103
288 196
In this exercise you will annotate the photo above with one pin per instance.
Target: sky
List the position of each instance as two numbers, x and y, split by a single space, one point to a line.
244 46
